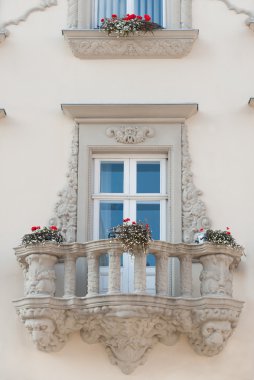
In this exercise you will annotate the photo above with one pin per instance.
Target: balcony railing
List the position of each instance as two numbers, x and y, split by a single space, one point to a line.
208 320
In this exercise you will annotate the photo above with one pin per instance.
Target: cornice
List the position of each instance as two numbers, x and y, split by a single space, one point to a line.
2 113
95 44
129 113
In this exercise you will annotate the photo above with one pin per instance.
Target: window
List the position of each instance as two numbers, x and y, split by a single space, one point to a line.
129 186
105 8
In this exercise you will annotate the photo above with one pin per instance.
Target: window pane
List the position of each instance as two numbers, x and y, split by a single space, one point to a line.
105 8
149 212
111 214
148 177
154 8
111 177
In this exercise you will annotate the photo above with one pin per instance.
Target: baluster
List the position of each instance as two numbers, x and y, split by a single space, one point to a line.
216 277
69 276
93 274
140 272
40 276
162 274
186 275
114 279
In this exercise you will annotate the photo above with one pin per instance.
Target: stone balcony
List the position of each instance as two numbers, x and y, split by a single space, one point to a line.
129 324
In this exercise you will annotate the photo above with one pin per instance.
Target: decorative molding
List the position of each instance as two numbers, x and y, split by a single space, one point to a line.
129 326
44 4
251 102
236 9
72 14
129 113
2 36
93 44
193 208
130 134
2 113
66 208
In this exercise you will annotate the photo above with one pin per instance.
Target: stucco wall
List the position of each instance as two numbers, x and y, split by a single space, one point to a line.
38 73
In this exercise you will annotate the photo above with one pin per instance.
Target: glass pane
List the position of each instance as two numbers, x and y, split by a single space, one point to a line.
105 8
148 177
152 7
149 212
111 214
111 177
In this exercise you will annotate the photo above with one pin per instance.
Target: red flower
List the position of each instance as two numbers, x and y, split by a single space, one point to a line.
201 229
228 233
139 17
102 19
126 220
147 17
114 16
132 16
134 223
34 228
147 226
228 228
53 228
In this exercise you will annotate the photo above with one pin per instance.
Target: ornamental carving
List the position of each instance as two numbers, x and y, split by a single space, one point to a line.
193 208
92 44
129 327
130 134
44 4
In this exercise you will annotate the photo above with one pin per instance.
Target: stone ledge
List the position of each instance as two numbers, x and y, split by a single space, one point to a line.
95 44
129 325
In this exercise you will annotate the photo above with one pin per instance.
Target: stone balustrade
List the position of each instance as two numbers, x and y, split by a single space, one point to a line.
129 324
216 277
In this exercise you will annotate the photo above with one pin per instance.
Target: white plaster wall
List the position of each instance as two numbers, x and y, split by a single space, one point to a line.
38 72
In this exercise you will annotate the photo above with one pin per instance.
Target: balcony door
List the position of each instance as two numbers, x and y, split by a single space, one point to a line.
129 187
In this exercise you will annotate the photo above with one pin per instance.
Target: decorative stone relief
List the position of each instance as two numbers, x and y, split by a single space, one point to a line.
129 326
94 44
238 10
66 208
44 4
193 208
130 134
2 111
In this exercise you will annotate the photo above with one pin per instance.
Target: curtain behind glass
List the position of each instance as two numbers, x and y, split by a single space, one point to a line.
153 8
105 8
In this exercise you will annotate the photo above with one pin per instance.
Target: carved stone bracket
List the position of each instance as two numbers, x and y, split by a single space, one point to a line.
130 134
161 44
193 208
44 4
129 325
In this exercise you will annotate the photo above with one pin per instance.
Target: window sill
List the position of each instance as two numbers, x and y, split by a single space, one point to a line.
95 44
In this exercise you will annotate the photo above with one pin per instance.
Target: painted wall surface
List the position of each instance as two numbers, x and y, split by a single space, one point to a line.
38 72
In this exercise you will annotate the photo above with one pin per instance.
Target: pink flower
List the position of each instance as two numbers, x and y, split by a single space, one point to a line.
102 19
201 229
53 228
228 233
134 223
147 17
126 220
147 226
228 228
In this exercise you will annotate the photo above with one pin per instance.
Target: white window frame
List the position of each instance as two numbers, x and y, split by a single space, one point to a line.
129 197
177 13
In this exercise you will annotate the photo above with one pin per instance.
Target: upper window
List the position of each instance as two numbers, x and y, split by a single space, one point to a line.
105 8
